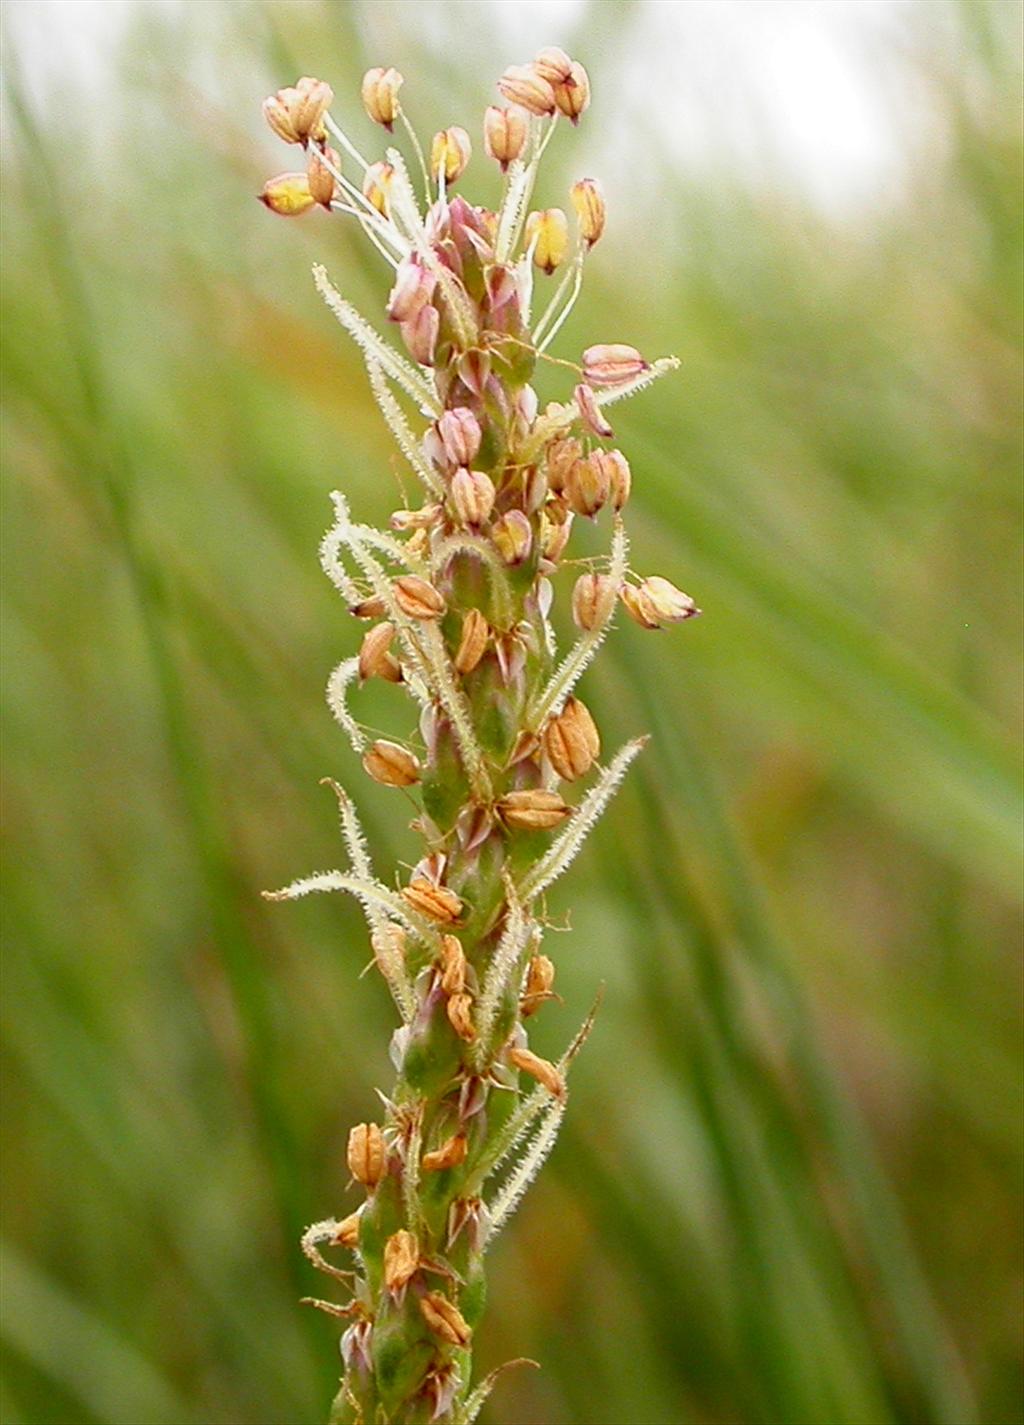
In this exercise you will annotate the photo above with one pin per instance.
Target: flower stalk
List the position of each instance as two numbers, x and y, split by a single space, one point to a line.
458 597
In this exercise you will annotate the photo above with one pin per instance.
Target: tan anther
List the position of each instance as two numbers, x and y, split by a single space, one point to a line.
554 65
593 598
319 177
401 1260
296 114
460 435
533 810
388 942
373 607
573 96
391 764
366 1154
453 965
445 1319
379 93
612 364
620 476
505 133
436 902
472 497
417 599
475 634
591 210
450 1154
287 195
522 84
591 413
512 537
450 152
460 1016
375 658
347 1234
571 741
586 486
559 459
540 976
657 602
548 234
377 181
540 1069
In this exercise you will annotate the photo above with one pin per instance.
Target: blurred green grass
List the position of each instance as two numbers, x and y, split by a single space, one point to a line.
789 1189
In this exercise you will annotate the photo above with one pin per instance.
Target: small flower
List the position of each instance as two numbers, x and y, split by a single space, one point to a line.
401 1260
571 741
472 495
375 658
435 902
296 114
377 182
573 95
320 178
379 93
590 208
522 84
366 1155
287 195
657 602
445 1319
475 634
505 133
416 598
460 435
540 1069
586 486
548 233
533 810
512 537
451 1154
593 598
391 764
450 153
612 364
460 1016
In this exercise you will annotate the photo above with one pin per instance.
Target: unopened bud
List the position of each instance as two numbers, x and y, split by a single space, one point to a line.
320 178
296 114
541 1069
540 976
586 486
379 92
573 96
559 459
612 364
347 1232
401 1260
593 598
460 1016
475 634
366 1154
435 902
505 134
512 537
554 65
460 435
657 602
590 207
418 599
420 335
548 233
590 412
451 1154
391 764
472 496
571 741
449 153
377 182
533 810
522 84
453 965
413 289
375 658
287 195
445 1319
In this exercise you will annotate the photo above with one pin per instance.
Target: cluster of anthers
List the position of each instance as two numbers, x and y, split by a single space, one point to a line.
458 594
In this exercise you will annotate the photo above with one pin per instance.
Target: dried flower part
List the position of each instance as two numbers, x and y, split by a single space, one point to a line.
522 84
612 364
533 810
296 114
460 435
320 178
416 598
620 476
586 486
554 65
450 153
554 537
435 902
472 497
373 607
453 965
377 181
573 94
426 517
451 1154
547 233
391 764
657 602
540 976
561 455
287 195
388 943
366 1156
413 289
590 208
593 598
540 1069
347 1234
571 741
401 1260
460 1016
375 658
379 93
512 537
505 133
445 1319
475 634
590 412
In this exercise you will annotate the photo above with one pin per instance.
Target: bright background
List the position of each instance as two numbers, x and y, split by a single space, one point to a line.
788 1192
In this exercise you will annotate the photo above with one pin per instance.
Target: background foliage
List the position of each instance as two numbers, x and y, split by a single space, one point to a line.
789 1187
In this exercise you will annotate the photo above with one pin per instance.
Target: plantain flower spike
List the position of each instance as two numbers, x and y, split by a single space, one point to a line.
488 736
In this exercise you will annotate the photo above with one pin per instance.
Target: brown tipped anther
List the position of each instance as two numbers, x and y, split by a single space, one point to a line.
571 741
321 180
296 114
540 976
452 962
435 902
287 195
450 1154
460 1016
391 764
475 635
472 497
547 233
572 96
347 1234
540 1069
379 93
590 412
612 364
591 210
524 85
366 1156
505 134
512 536
450 152
593 598
445 1319
417 599
375 658
401 1260
533 810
